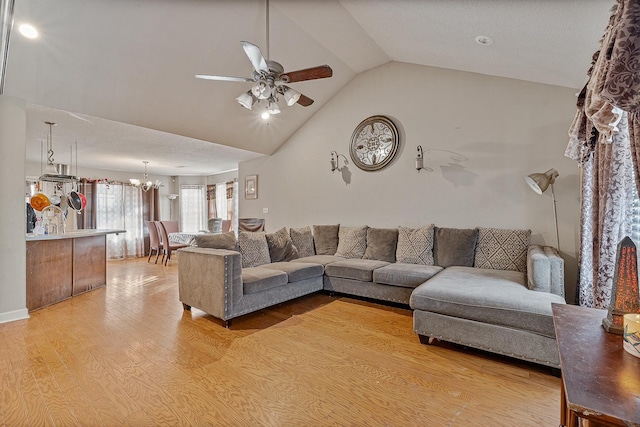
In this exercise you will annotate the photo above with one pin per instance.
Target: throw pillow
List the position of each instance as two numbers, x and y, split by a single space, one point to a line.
352 242
281 247
217 241
325 239
454 246
254 248
381 244
303 240
502 249
415 246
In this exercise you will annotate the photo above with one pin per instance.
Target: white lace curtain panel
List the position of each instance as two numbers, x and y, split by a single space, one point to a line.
120 206
605 141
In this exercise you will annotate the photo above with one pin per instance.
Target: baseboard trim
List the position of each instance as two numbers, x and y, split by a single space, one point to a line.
12 316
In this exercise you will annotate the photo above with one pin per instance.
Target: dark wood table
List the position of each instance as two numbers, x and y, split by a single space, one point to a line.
600 380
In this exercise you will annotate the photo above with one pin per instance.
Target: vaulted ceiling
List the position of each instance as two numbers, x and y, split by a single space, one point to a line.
118 76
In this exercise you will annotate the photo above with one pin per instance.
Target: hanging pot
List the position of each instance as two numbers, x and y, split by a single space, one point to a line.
39 201
55 200
84 200
74 201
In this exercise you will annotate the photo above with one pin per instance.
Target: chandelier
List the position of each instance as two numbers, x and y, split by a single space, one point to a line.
145 184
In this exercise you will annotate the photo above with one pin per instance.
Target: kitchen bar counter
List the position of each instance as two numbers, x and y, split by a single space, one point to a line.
60 266
73 234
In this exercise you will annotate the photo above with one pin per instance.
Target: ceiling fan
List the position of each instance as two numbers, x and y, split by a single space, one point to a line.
270 80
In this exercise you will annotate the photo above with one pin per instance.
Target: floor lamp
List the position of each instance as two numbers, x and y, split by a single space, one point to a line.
171 198
539 182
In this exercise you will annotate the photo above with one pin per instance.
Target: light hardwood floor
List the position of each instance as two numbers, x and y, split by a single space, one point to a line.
127 354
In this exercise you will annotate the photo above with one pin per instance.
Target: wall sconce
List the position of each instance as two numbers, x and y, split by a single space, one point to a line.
335 161
419 159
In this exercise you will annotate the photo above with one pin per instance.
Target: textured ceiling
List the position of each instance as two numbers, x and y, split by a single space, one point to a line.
120 63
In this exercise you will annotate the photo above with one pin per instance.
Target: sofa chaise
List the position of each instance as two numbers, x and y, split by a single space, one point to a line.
485 288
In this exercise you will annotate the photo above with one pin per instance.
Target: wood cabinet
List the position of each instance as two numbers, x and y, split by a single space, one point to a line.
62 266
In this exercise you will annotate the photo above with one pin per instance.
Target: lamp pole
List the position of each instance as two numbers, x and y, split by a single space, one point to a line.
555 218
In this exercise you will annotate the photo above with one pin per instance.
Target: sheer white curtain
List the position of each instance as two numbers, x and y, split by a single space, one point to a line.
221 200
120 207
193 208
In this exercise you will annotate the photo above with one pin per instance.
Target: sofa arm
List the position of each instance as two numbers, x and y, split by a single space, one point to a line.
210 280
545 270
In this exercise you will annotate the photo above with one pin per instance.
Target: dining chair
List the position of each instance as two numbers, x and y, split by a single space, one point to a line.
250 224
167 244
154 241
215 225
171 226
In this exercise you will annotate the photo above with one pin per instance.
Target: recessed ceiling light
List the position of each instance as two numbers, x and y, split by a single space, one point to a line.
484 40
28 31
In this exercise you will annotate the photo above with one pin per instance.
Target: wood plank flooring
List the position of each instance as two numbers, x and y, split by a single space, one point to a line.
127 354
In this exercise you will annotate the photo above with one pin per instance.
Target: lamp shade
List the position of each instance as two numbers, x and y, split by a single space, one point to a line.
246 100
539 182
261 90
273 108
291 96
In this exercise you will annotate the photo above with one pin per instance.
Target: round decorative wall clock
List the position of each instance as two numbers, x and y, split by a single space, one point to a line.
374 143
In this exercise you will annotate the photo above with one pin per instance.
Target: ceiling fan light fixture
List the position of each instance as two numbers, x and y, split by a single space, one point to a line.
265 115
246 100
261 90
273 108
291 96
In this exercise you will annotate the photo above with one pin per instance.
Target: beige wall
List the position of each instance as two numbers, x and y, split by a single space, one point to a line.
13 299
480 134
222 177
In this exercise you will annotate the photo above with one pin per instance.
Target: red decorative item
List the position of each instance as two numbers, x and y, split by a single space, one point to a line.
625 297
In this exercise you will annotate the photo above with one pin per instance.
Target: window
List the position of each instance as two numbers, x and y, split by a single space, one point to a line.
193 208
120 207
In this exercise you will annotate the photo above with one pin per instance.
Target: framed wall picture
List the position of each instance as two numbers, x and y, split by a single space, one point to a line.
251 187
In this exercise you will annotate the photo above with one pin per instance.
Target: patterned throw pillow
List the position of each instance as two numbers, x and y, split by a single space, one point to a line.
415 246
281 247
352 242
254 248
502 249
303 241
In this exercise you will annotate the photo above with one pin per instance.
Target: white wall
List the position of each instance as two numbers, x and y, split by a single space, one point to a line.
480 134
13 296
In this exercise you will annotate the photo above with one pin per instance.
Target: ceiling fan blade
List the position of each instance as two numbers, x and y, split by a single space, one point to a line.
223 78
320 72
255 56
305 101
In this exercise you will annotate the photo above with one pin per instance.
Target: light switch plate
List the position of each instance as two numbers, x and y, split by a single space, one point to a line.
265 210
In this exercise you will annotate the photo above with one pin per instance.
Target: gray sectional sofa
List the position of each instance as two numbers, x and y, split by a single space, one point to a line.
485 288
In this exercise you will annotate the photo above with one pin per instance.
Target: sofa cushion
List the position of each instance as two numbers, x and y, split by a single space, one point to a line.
319 259
405 275
496 297
325 239
281 247
258 279
303 241
352 242
381 244
502 249
217 241
454 246
356 269
297 270
254 248
415 246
